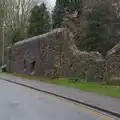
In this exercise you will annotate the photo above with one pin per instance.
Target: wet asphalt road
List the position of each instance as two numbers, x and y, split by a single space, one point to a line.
20 103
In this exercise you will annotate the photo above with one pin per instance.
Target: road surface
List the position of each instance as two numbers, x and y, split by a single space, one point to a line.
21 103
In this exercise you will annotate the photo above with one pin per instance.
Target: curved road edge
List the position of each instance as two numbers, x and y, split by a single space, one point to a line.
60 96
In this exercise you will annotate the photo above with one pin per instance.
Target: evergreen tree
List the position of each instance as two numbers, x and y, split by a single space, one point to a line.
63 6
18 35
103 26
39 21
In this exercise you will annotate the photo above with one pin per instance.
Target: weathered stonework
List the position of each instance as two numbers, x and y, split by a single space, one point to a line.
113 64
54 54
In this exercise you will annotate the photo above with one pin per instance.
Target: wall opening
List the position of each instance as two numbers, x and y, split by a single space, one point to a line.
32 67
25 66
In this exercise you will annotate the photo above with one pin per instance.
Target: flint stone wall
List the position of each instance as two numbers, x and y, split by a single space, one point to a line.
113 64
40 49
55 55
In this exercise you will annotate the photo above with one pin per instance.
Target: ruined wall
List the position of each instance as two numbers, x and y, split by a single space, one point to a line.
73 62
40 49
54 55
113 65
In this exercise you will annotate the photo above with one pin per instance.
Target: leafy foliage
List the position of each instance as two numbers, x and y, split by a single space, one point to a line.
39 21
76 79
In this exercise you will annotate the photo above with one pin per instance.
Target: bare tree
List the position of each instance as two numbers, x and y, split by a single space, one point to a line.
15 15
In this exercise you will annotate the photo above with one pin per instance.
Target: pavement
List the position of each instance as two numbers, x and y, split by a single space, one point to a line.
21 103
104 103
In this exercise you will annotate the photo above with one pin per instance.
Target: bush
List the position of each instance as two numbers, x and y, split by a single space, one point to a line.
76 79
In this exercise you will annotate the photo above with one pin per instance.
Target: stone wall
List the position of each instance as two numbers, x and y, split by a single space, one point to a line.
87 65
39 49
113 64
54 54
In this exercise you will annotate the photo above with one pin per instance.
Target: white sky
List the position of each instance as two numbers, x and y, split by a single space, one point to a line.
50 4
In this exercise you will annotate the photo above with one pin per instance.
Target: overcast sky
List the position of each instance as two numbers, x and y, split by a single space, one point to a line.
50 3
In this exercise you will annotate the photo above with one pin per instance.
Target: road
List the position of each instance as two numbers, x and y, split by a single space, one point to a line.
21 103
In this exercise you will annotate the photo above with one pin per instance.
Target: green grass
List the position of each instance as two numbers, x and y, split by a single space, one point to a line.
107 90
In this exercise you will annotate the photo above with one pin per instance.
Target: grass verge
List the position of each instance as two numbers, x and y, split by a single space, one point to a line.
107 90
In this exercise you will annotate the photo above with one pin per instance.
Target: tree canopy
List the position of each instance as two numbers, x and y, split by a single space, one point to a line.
63 6
39 22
